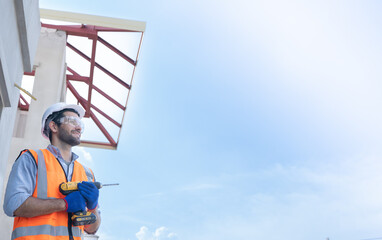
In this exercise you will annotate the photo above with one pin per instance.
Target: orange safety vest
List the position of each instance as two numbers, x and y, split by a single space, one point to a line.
57 225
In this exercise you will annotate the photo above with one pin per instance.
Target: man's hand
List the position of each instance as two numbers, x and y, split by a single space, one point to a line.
75 202
90 192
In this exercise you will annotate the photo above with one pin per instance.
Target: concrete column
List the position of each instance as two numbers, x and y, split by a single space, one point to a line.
49 87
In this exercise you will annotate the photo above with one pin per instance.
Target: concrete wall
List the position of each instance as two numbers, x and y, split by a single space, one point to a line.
20 28
11 71
11 66
25 11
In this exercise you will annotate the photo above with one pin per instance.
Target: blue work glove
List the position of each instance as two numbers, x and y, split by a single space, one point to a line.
90 192
75 202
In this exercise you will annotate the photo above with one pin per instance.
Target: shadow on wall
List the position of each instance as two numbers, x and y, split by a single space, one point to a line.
1 106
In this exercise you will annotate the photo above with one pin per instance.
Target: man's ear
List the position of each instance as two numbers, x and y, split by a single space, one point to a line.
53 126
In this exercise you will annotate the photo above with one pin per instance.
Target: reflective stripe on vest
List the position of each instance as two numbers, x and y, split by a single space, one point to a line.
42 179
44 230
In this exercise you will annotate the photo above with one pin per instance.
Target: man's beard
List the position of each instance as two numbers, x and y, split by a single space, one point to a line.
68 138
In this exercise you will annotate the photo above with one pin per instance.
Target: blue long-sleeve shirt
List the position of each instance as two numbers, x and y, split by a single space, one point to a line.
22 179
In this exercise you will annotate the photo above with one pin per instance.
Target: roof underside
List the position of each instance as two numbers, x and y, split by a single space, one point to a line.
101 55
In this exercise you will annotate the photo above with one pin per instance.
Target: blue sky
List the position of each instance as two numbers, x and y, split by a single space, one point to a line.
247 120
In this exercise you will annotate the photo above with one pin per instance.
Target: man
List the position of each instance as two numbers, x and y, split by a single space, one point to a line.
32 195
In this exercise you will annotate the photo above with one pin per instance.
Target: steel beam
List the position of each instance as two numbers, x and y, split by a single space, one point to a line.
114 49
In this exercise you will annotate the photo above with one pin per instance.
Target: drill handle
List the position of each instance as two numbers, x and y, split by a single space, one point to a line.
68 187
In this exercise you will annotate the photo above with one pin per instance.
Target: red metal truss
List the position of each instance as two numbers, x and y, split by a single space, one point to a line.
23 104
91 32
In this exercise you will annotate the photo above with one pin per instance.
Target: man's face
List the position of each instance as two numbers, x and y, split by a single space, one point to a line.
69 132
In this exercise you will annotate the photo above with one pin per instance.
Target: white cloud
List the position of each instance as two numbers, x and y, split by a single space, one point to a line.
84 156
172 235
144 234
161 233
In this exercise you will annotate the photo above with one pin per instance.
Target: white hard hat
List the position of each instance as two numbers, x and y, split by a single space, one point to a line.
56 108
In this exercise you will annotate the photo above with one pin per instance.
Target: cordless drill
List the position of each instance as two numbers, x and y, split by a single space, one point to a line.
81 218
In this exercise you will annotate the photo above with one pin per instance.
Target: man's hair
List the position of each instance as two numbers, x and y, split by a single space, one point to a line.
55 117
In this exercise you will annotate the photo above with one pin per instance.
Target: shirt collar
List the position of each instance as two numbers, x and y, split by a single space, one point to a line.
57 154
